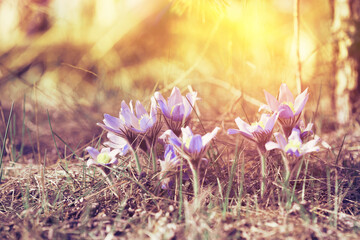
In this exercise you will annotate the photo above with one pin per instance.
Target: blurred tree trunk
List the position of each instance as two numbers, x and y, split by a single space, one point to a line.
346 19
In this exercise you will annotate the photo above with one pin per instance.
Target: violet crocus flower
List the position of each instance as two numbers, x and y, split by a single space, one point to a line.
290 109
294 146
191 146
177 109
169 164
103 159
259 132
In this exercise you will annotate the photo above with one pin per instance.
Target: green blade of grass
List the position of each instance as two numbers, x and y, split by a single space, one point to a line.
4 142
230 182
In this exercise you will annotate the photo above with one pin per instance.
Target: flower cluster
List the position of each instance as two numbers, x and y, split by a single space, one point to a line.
135 129
167 123
286 110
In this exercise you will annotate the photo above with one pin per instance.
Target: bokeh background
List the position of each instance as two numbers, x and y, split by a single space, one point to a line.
79 59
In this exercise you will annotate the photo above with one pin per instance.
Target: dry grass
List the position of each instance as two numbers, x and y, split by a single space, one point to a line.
66 200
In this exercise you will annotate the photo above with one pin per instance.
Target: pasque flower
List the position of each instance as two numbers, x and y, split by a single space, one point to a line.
169 164
294 146
259 132
117 142
305 132
135 125
103 158
289 108
177 109
191 146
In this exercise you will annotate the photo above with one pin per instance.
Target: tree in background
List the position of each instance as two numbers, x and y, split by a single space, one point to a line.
346 30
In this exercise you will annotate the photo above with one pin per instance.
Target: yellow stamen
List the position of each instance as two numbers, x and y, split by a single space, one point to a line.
291 105
187 143
103 158
293 144
260 123
172 109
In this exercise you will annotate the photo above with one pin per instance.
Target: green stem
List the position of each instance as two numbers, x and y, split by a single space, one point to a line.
153 154
196 186
137 162
263 174
297 176
180 190
303 187
287 168
196 183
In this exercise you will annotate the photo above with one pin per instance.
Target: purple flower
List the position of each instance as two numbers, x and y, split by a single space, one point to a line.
289 108
294 145
170 162
139 120
103 158
259 132
134 125
177 109
305 132
191 146
117 142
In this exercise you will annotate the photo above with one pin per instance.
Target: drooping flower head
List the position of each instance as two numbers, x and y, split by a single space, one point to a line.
259 132
289 108
177 109
294 146
169 164
191 146
105 158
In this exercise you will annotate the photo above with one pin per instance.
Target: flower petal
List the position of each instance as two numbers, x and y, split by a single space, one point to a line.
285 111
93 152
264 107
310 146
186 133
169 151
140 110
175 141
164 108
112 122
300 101
153 110
245 134
91 162
189 103
271 145
285 94
195 144
243 126
209 136
106 128
105 150
280 140
295 135
272 101
177 112
270 123
175 98
145 123
167 135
